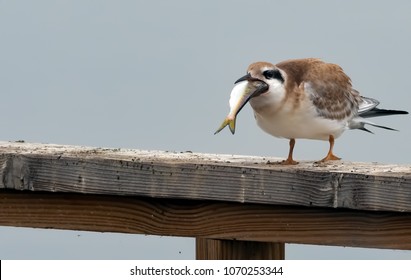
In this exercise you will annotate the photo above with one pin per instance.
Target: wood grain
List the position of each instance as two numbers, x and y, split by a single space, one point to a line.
217 249
186 175
206 219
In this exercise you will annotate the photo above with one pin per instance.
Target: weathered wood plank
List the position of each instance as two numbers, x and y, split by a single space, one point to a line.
206 219
56 168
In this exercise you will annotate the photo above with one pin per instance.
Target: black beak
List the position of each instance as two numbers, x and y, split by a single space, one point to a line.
248 78
244 78
259 86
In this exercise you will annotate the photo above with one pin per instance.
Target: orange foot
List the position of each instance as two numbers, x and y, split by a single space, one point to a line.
330 156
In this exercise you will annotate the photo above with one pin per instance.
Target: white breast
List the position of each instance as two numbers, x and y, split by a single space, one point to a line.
285 120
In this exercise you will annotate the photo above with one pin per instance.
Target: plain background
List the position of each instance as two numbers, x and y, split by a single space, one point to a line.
157 75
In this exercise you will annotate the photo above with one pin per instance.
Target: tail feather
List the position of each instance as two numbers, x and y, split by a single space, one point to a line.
381 126
364 129
359 123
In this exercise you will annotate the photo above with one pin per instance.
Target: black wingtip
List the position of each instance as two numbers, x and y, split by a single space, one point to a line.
376 112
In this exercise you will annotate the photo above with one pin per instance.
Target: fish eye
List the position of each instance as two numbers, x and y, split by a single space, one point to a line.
273 74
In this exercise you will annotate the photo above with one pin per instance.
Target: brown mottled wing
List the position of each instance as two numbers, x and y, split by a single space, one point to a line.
330 90
332 103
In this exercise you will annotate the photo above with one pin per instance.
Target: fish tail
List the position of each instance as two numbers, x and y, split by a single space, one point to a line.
228 121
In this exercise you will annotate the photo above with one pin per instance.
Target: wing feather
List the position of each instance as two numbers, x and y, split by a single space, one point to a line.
327 86
367 104
333 101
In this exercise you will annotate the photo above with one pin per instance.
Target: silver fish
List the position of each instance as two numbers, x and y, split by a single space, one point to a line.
242 92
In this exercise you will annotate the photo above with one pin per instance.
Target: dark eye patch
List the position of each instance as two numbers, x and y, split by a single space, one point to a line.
273 74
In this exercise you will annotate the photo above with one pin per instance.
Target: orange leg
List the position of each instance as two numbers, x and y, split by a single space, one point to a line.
289 160
330 155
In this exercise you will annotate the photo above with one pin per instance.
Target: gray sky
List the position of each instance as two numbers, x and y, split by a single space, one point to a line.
157 75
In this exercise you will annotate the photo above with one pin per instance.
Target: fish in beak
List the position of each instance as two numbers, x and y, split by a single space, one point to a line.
245 88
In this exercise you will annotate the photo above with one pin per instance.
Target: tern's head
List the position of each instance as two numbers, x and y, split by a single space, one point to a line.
267 73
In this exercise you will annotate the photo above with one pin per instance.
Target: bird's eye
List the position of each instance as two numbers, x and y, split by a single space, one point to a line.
273 74
268 74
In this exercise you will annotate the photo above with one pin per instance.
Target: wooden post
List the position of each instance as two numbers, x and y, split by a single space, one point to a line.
216 249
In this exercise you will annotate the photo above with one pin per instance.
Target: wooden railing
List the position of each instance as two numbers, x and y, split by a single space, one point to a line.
236 207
